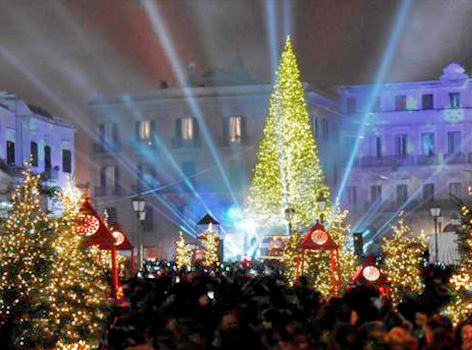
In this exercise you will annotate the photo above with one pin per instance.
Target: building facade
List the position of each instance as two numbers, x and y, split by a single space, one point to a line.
29 133
189 152
414 151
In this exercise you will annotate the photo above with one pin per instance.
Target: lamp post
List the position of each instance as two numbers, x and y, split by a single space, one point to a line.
321 207
289 213
139 207
435 213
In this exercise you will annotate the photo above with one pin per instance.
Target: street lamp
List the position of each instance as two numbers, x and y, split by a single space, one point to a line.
139 207
289 213
321 206
435 213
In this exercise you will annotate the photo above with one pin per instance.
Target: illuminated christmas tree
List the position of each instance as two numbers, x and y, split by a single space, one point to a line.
210 247
460 308
288 171
183 253
78 290
25 259
403 259
317 262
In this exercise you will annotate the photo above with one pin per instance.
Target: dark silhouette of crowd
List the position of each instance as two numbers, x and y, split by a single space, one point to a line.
248 309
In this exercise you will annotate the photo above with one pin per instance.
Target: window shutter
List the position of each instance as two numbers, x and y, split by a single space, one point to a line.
153 131
243 130
102 133
103 177
137 124
225 131
178 128
115 134
196 130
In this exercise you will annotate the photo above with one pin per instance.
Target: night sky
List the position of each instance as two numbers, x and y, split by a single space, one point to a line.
58 54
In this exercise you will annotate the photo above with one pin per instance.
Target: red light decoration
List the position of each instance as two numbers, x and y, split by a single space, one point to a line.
89 225
371 273
119 237
319 237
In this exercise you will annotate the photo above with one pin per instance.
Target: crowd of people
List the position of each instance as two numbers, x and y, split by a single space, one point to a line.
237 310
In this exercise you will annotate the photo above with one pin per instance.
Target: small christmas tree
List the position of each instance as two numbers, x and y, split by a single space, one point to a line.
403 261
25 259
183 253
210 246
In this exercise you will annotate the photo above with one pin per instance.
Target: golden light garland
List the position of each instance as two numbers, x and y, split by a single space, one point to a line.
403 260
288 170
80 345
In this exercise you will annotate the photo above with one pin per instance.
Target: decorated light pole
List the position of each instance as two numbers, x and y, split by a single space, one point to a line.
289 214
435 213
139 207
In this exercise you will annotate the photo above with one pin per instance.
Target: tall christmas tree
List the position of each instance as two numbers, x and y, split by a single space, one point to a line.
403 259
78 290
25 259
288 171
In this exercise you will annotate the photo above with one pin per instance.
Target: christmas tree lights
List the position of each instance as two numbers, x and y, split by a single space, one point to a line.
183 253
210 247
25 259
288 171
78 290
403 260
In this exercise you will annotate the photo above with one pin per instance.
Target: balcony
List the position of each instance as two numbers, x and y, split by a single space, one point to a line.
104 191
99 148
454 158
427 159
178 142
385 161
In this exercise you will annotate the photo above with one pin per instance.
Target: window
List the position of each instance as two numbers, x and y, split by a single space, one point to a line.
108 134
34 154
335 175
148 224
378 147
315 126
112 216
145 131
428 192
402 193
351 195
455 190
146 176
376 107
10 152
454 99
427 144
401 143
236 173
187 129
351 105
188 168
108 176
376 193
400 103
235 131
47 158
66 161
325 127
453 142
427 101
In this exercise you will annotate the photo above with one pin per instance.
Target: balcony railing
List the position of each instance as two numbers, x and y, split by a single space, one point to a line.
105 148
454 158
104 191
178 142
427 159
385 161
409 205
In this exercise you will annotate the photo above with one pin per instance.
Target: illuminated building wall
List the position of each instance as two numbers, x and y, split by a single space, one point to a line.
30 131
415 152
141 135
